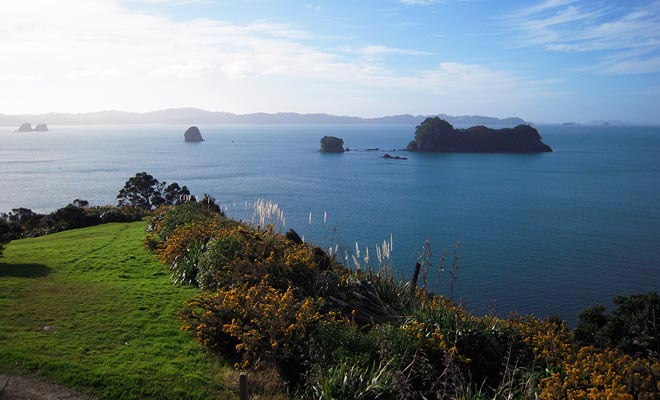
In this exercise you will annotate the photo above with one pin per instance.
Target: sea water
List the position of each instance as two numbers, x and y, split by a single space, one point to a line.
539 233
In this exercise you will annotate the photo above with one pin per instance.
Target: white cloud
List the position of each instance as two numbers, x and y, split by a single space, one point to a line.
93 73
18 77
101 55
377 50
582 26
543 6
632 66
418 2
191 69
173 2
237 69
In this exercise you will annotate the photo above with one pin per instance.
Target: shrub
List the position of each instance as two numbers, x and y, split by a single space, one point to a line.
185 268
267 325
546 342
182 250
168 218
23 222
117 214
608 374
632 327
346 381
272 302
5 230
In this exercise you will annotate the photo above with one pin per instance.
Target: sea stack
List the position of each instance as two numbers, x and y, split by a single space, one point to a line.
193 135
41 128
26 127
331 144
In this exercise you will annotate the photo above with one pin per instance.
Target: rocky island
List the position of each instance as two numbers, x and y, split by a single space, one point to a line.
438 135
332 144
192 134
26 127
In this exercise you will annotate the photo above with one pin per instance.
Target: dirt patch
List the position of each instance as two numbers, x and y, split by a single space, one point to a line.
30 387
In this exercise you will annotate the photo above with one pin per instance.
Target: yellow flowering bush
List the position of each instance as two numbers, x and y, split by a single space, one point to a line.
179 241
264 324
590 374
272 301
240 254
549 340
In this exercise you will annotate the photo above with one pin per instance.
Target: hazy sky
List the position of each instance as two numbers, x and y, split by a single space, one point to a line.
552 60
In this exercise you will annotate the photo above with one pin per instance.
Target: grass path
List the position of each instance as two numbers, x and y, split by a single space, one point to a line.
93 309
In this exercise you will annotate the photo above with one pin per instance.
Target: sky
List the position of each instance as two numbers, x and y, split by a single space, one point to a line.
544 61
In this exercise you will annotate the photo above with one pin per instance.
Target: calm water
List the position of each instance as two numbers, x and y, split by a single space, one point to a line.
545 233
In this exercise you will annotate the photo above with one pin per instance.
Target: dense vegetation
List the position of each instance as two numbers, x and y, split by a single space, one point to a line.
332 144
437 135
90 308
277 305
145 192
139 195
23 222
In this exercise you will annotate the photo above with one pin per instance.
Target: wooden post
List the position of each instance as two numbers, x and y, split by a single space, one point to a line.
243 386
413 282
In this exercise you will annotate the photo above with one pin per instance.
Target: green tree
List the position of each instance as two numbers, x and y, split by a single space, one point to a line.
80 203
145 192
141 191
24 217
173 193
632 327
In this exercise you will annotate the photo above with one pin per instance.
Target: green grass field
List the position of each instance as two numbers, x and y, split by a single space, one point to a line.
93 309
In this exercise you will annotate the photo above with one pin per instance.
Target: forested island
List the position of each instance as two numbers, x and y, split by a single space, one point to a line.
438 135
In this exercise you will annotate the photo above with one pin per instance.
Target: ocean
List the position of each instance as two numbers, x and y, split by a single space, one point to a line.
547 234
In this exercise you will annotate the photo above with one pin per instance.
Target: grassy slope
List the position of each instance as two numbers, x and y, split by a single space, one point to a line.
113 313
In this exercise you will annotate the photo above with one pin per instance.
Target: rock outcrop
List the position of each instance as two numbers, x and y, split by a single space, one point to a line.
192 134
41 128
389 157
437 135
331 144
26 127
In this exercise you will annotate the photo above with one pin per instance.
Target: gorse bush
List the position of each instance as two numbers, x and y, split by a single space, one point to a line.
273 303
606 374
268 326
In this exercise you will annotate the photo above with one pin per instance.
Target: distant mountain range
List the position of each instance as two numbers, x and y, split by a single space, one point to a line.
195 116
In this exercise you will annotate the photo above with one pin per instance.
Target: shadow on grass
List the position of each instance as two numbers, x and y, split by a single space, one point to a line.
24 270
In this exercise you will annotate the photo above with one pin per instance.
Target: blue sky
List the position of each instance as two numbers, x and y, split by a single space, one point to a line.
548 60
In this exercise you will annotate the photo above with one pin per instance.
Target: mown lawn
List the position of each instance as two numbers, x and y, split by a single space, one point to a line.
93 309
